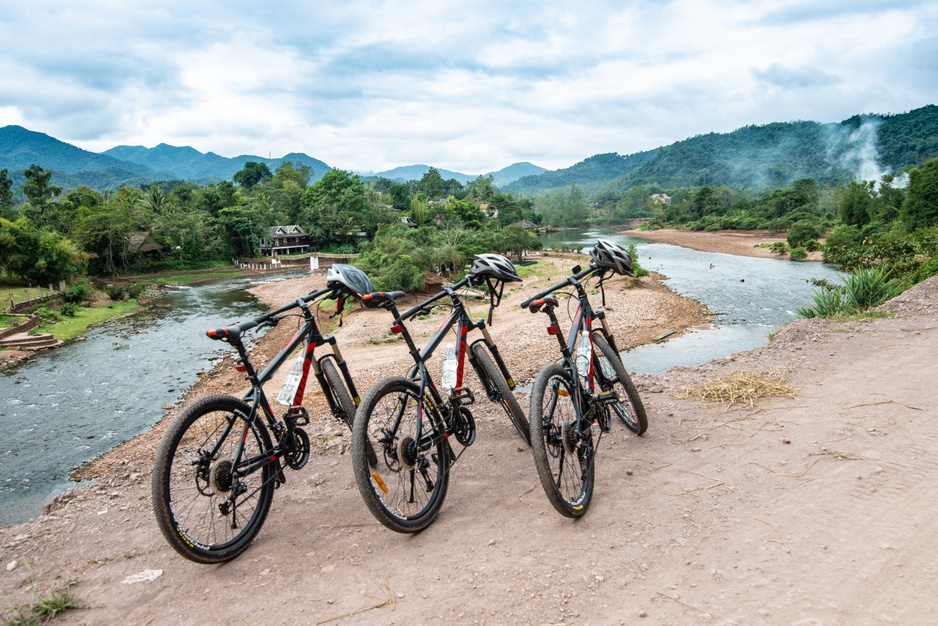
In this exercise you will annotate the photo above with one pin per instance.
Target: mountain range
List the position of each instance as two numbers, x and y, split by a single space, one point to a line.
862 147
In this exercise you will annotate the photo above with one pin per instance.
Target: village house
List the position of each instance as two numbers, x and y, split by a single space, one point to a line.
290 239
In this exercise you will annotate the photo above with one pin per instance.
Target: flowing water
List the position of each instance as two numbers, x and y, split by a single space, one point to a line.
750 296
66 407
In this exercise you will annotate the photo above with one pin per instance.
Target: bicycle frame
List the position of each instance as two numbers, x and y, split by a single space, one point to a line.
583 320
312 338
458 317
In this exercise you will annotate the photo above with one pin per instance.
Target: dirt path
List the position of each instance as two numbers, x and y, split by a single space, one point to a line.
813 509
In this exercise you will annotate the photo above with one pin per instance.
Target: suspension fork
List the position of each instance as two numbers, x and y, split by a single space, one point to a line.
490 344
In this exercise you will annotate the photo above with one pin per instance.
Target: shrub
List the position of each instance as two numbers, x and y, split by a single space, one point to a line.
115 292
135 289
68 309
861 290
779 247
798 254
47 314
79 292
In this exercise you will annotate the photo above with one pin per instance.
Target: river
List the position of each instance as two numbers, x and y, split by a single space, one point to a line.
66 407
750 296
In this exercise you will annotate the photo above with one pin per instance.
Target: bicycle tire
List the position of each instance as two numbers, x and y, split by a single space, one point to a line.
508 400
397 493
190 489
339 390
628 407
567 477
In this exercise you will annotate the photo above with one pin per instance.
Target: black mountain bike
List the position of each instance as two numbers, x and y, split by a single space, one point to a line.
401 449
221 459
584 388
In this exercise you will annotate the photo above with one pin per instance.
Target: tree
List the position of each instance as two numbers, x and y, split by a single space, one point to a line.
515 240
6 196
38 256
920 208
252 174
855 204
334 206
39 192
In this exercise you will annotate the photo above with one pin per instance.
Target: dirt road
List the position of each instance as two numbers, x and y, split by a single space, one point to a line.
811 509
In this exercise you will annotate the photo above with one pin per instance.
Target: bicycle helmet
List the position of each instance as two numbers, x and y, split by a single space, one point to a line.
348 279
494 266
609 255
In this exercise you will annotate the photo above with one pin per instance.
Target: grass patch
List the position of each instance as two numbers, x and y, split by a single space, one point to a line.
43 608
71 327
183 278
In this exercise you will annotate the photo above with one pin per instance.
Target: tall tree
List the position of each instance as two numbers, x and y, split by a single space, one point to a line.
40 194
251 174
920 208
6 196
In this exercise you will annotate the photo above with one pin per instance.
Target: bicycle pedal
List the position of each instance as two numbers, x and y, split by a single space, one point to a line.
607 397
299 415
463 396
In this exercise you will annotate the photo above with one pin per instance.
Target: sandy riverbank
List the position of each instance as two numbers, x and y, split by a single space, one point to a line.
753 243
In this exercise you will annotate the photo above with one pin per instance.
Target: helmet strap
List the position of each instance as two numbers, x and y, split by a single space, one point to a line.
339 308
495 297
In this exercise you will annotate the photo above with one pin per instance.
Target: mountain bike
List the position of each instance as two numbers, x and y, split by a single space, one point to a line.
588 385
221 459
401 449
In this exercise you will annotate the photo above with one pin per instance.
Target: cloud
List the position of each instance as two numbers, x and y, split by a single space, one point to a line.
472 87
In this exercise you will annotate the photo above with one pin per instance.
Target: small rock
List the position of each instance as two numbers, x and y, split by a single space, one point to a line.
11 565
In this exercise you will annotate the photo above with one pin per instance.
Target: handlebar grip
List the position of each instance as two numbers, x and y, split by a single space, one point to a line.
550 301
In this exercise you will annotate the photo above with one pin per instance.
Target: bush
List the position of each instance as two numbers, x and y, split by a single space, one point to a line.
68 309
115 292
79 292
861 290
48 315
779 247
135 289
798 254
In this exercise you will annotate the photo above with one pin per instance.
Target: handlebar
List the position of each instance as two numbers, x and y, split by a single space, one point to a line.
569 280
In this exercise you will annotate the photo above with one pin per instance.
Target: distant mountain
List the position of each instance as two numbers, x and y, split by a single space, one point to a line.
863 147
415 172
189 164
510 174
71 166
500 178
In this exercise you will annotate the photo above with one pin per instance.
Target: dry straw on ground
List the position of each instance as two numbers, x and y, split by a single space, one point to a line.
742 388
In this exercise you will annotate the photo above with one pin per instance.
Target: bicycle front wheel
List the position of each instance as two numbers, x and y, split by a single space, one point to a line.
613 378
339 390
205 509
508 400
561 442
403 481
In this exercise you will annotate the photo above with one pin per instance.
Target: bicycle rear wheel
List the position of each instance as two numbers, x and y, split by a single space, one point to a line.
562 444
404 483
207 514
341 392
508 400
613 377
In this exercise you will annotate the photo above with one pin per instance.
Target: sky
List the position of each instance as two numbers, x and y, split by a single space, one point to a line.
470 87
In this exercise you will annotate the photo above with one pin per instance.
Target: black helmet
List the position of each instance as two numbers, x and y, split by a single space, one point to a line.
494 266
348 279
609 255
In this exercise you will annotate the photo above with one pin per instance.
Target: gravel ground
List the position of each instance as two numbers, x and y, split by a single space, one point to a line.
810 508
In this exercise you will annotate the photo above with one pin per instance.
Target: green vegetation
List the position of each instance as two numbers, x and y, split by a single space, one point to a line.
44 607
862 290
68 327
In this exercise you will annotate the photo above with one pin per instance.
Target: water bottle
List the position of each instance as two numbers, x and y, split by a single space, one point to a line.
583 353
291 384
449 368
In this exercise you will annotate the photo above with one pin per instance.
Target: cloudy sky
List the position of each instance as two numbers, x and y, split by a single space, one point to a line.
473 87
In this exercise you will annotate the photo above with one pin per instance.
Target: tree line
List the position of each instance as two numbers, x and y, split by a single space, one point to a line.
54 233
